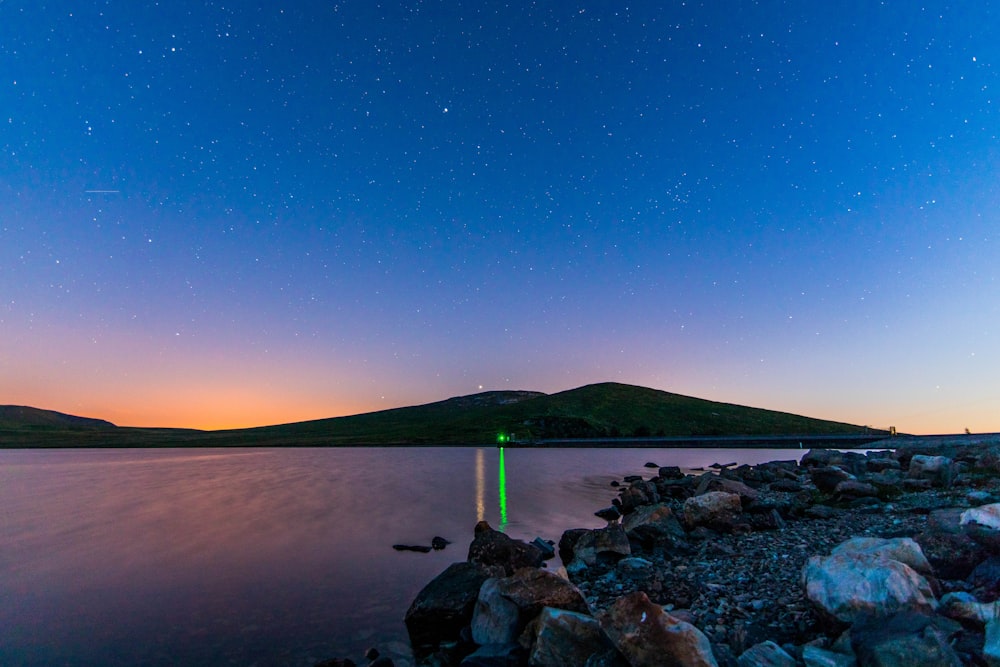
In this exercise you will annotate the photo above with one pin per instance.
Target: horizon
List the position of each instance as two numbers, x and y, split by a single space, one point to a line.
481 390
217 217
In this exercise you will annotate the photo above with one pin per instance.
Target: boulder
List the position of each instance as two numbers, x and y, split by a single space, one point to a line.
819 458
605 545
963 606
904 639
561 637
991 647
814 656
445 605
637 494
506 606
903 549
653 524
985 579
865 578
495 655
826 478
568 542
747 495
987 516
670 472
937 469
648 636
786 486
765 654
714 509
851 489
491 547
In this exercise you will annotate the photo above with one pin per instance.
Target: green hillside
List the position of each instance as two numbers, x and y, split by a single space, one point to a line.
607 410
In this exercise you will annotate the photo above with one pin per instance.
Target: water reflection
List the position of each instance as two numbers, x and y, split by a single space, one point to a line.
481 485
502 491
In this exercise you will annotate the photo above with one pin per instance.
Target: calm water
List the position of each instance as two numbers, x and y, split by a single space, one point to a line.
266 557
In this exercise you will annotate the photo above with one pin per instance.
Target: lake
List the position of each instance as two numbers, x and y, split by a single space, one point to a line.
267 556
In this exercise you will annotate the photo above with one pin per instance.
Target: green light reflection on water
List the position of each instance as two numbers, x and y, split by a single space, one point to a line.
502 488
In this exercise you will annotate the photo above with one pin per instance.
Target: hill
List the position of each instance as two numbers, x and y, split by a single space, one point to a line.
22 416
599 411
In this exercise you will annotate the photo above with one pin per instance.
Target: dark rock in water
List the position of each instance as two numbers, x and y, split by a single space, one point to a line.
546 547
609 513
630 479
615 482
904 640
419 548
445 605
439 543
568 542
650 464
670 472
722 466
491 547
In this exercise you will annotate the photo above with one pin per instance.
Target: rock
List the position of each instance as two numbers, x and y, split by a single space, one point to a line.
902 549
813 656
670 472
987 516
937 469
609 513
952 554
991 647
963 606
826 478
650 464
604 545
715 509
372 654
786 486
653 524
445 605
411 547
904 639
568 542
882 464
634 566
851 489
491 547
820 458
439 543
765 654
495 655
648 636
563 637
985 579
821 512
858 580
546 547
747 495
637 494
505 606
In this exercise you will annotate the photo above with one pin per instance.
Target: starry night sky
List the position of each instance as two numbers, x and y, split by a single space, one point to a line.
220 214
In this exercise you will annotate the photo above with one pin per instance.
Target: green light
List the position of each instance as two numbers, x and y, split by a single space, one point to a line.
502 438
502 488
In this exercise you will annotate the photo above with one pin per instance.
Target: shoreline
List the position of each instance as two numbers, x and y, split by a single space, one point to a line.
738 578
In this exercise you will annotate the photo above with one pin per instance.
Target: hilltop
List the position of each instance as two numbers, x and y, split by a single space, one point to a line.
599 411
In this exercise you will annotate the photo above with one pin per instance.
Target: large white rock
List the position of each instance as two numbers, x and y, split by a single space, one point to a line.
867 577
984 515
929 467
903 549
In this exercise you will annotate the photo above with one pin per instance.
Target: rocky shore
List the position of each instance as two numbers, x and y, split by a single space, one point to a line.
885 558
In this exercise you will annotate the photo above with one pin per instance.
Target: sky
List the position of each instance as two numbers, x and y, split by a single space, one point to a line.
219 214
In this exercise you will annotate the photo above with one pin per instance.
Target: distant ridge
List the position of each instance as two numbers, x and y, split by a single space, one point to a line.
20 416
607 412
